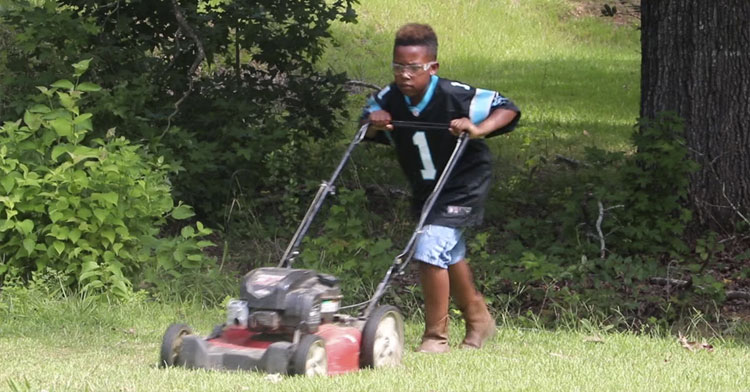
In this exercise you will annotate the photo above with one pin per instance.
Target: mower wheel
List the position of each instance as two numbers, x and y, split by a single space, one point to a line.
216 332
310 358
171 344
382 338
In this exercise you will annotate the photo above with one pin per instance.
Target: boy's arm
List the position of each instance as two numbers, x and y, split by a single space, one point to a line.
377 116
379 120
497 120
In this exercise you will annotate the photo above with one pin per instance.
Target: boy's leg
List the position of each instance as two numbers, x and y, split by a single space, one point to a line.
480 325
436 291
434 251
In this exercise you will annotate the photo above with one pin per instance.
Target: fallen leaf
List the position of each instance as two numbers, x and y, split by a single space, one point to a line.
563 356
694 346
586 133
593 339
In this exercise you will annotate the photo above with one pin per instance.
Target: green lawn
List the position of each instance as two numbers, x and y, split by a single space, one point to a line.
576 79
78 345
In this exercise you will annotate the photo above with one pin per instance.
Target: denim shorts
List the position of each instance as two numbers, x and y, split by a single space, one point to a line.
440 246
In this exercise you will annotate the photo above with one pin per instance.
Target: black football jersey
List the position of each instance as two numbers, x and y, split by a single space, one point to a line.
423 154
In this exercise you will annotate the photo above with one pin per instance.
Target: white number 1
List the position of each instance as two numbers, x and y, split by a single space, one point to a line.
420 140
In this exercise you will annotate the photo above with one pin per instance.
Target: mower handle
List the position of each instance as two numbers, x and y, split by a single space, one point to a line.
326 188
420 125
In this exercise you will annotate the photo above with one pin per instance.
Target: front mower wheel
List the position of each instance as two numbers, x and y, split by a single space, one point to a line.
382 338
171 344
310 358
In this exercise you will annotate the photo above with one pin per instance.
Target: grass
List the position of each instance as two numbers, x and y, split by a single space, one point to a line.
79 344
576 79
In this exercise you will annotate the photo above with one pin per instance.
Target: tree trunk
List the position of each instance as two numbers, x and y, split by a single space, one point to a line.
696 62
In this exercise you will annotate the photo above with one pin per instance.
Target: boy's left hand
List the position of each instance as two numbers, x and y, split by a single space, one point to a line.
460 125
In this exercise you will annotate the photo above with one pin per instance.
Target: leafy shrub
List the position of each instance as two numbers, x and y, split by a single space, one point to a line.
348 247
594 231
213 95
88 207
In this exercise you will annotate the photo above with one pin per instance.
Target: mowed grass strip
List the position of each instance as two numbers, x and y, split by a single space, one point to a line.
70 346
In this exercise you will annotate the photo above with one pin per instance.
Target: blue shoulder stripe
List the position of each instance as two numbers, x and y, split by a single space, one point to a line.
372 104
384 91
481 105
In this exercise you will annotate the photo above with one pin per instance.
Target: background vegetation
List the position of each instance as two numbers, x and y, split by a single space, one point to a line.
228 115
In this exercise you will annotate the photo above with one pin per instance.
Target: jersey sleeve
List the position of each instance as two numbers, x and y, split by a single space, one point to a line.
501 102
477 104
374 103
485 102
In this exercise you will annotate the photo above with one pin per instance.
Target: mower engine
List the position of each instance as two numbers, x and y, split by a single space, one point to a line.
285 300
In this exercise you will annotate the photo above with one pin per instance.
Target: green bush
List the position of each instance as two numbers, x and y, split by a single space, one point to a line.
91 208
214 92
348 246
595 230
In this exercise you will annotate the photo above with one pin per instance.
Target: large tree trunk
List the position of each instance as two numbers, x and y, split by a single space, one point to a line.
696 62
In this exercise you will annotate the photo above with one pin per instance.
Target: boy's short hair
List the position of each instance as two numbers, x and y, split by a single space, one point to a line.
415 34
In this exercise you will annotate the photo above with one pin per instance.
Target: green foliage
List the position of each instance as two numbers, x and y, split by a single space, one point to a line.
656 213
88 207
214 86
596 230
348 247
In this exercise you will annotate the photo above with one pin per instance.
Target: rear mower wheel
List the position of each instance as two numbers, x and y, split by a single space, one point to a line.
171 344
310 358
382 338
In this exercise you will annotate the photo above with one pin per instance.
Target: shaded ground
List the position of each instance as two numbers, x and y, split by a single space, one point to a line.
620 11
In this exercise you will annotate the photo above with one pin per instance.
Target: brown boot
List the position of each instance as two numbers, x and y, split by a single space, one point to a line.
480 325
436 290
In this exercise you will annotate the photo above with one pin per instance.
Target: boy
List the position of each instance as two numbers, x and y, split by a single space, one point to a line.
418 94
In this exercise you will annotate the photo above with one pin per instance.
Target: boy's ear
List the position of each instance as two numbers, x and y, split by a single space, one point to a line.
434 68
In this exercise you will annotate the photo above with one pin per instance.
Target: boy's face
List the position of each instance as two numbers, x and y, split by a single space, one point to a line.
410 75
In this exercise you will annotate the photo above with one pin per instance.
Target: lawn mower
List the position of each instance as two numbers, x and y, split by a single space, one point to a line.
288 320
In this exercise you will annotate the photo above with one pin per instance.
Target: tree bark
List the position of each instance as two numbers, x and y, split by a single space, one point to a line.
696 62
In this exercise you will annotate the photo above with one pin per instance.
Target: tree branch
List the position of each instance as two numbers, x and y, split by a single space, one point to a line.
736 210
359 83
182 22
575 164
679 283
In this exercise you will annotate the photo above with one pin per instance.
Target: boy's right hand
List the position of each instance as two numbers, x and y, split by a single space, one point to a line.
380 120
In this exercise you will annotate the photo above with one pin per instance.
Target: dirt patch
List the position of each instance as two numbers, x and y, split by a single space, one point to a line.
621 12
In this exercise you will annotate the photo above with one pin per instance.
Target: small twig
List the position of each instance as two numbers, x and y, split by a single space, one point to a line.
599 220
737 294
668 282
569 161
711 163
733 238
679 283
359 83
736 210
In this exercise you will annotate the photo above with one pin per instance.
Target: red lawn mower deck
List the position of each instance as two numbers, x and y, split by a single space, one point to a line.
288 325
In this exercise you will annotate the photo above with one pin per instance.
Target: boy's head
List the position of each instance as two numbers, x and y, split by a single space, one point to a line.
415 34
414 59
